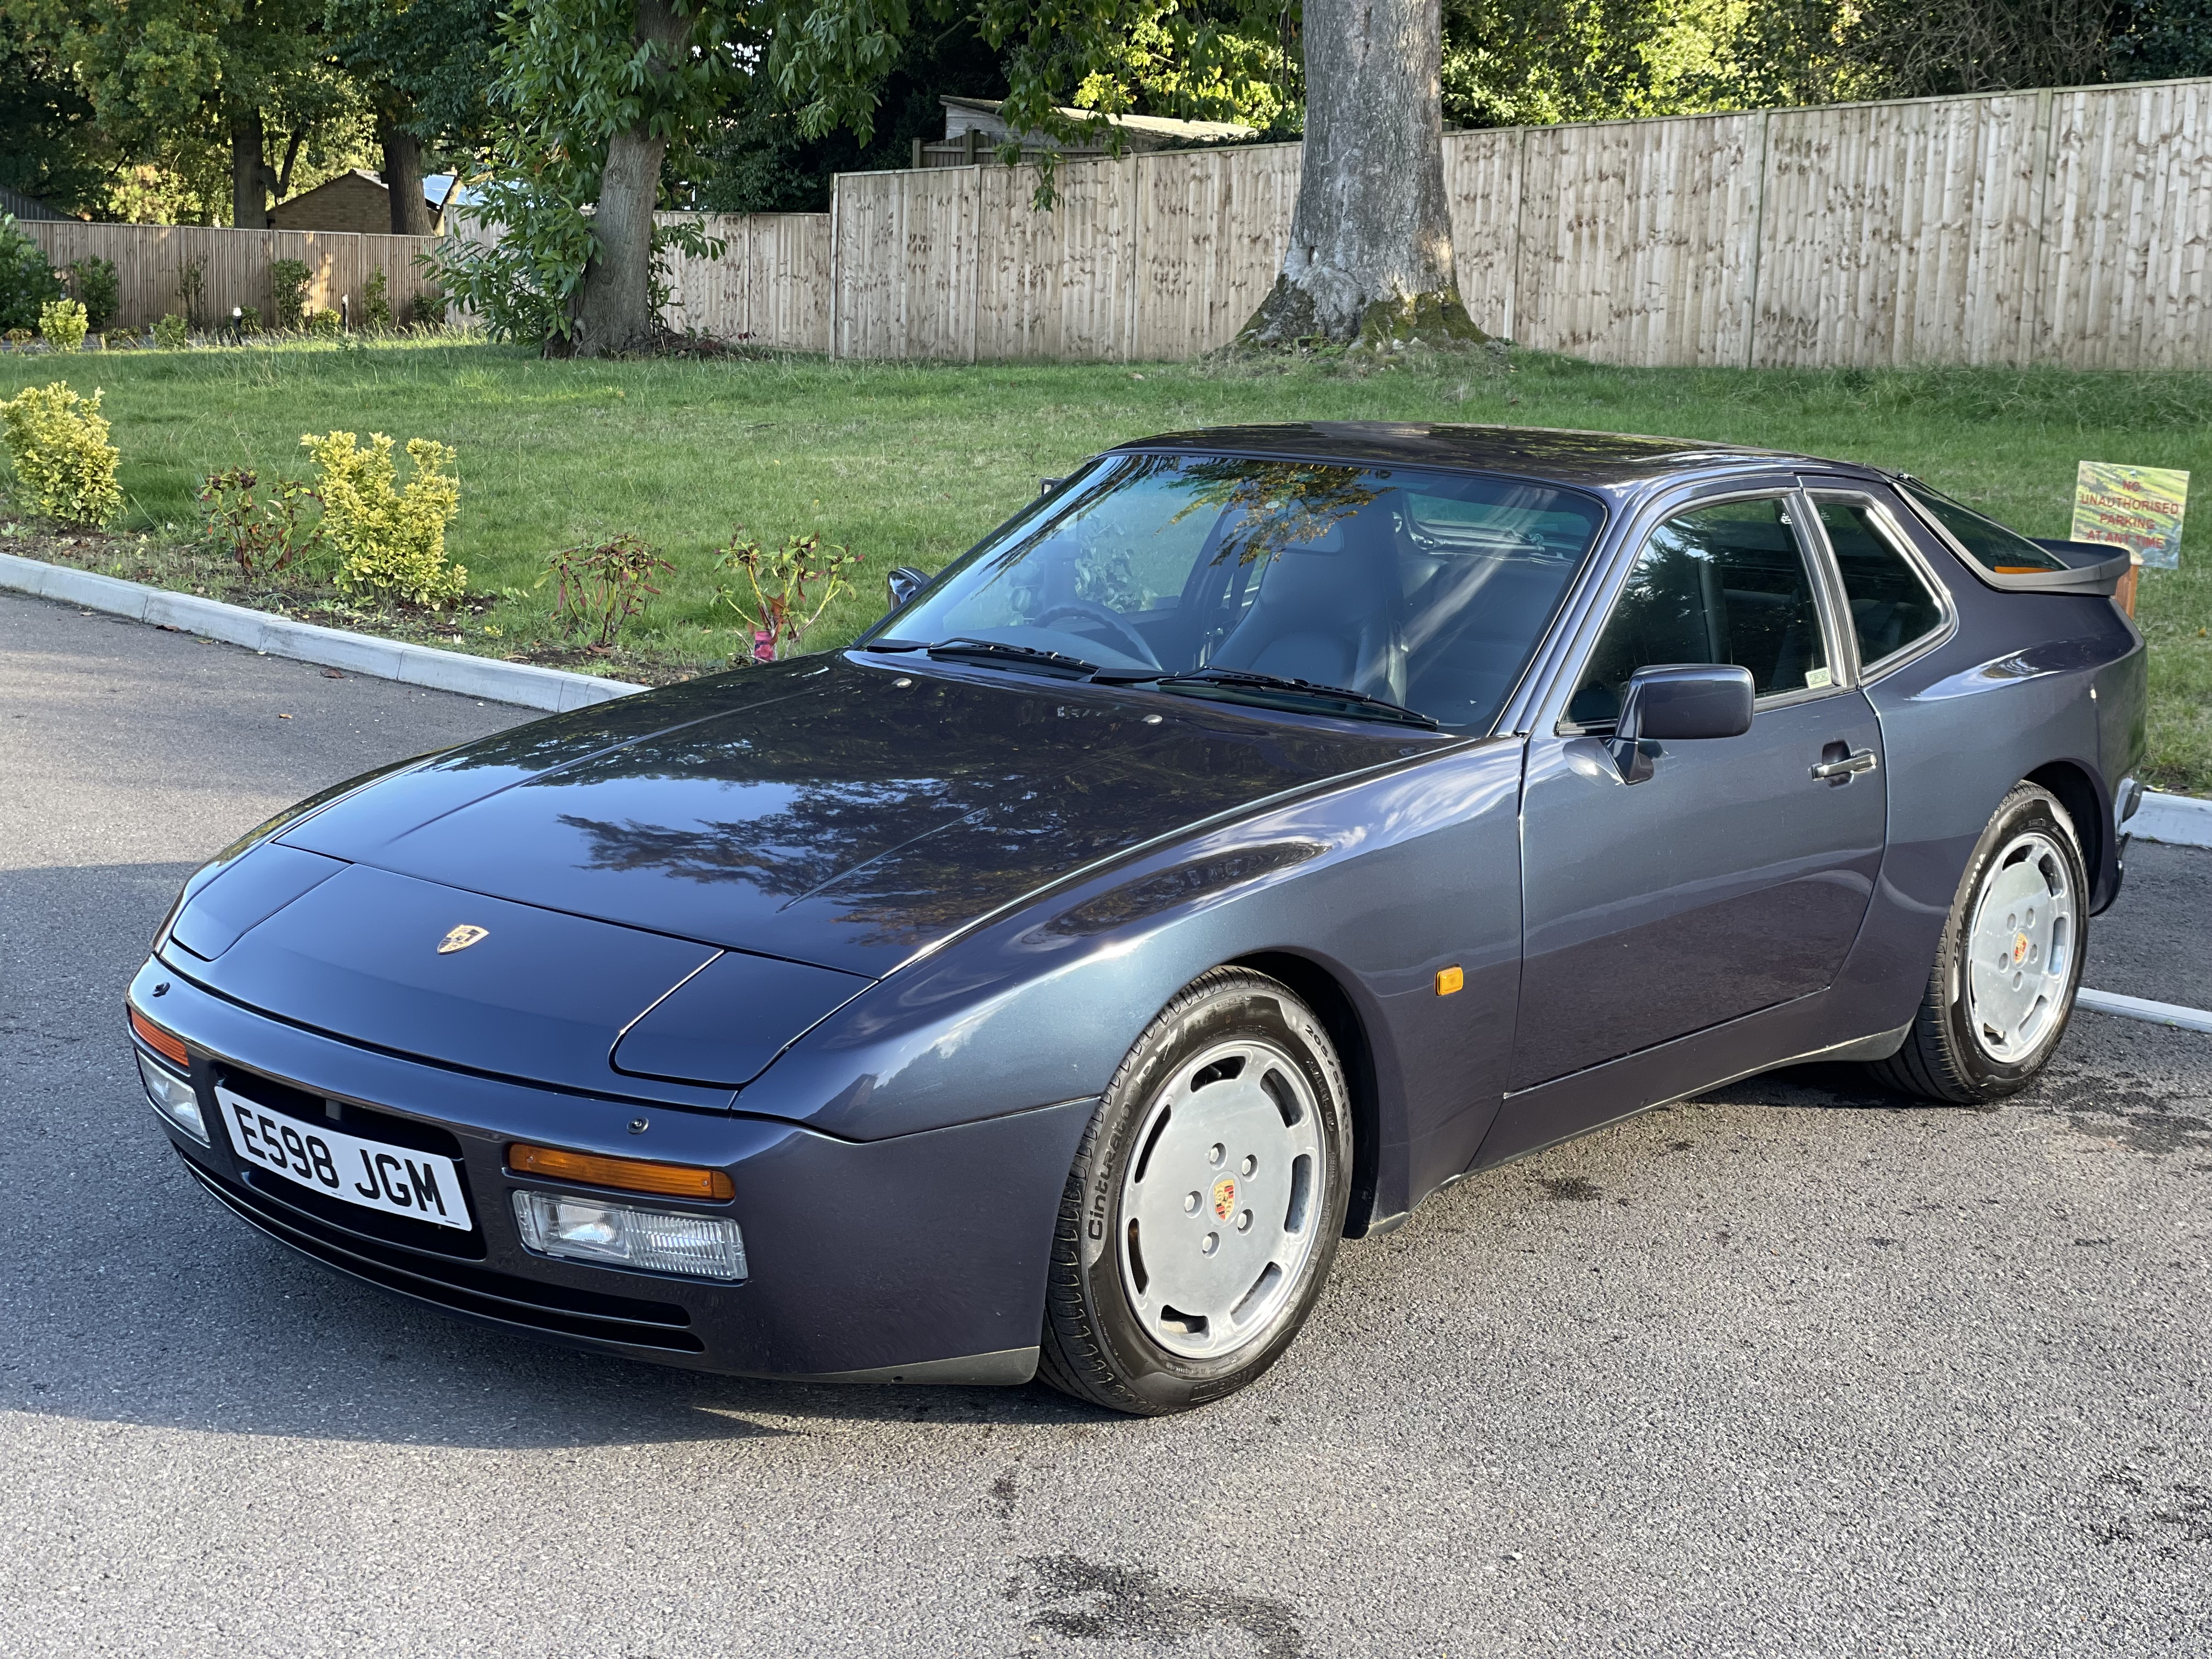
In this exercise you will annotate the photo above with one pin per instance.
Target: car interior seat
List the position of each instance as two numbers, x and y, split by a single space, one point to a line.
1328 610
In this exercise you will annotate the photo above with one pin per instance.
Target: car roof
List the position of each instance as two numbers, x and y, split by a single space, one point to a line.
1609 461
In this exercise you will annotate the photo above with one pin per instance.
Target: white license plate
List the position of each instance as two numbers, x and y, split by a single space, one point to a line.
397 1180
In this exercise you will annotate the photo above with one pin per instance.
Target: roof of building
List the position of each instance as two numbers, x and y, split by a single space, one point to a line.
1159 128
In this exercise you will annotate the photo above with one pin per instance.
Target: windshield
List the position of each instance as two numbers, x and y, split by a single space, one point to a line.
1424 589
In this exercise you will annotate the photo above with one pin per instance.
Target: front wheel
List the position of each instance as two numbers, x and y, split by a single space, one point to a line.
1205 1206
2005 974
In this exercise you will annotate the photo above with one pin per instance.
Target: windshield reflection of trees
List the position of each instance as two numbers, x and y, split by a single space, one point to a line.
906 851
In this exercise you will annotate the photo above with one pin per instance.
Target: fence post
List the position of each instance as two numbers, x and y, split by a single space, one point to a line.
836 280
1513 266
2039 213
1758 243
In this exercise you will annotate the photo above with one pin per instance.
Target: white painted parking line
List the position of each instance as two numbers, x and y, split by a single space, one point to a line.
2158 1013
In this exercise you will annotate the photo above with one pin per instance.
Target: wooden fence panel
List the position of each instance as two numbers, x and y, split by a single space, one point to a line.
1211 228
1899 233
1634 239
769 288
150 261
2128 228
1482 183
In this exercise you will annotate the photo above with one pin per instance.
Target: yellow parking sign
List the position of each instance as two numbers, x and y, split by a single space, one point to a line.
2137 507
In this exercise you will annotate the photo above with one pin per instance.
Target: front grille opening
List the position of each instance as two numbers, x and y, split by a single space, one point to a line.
363 1121
311 1112
480 1290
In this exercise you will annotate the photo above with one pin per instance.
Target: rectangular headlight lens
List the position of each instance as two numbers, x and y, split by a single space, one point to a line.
623 1236
173 1099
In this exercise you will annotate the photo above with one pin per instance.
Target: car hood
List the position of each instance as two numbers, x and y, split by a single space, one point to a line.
840 812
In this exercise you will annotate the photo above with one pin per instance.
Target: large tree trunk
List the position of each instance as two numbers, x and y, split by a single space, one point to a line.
1370 254
614 308
403 178
250 175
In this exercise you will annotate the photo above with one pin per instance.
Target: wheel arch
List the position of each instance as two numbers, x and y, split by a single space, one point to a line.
2083 793
1323 993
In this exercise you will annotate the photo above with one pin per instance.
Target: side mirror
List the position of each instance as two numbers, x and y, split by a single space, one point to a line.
1681 703
903 583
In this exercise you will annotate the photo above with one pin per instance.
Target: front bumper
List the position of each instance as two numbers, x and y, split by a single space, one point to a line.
920 1258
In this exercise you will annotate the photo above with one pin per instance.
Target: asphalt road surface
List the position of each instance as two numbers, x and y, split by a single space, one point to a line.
1796 1369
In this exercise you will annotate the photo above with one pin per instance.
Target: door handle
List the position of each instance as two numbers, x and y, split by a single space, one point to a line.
1842 771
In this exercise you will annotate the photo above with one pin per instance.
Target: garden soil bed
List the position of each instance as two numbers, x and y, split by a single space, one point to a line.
304 598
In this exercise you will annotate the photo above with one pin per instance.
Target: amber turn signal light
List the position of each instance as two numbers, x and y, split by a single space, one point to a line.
629 1174
171 1049
1449 980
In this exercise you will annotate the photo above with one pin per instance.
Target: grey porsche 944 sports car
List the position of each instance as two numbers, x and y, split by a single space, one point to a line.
1261 828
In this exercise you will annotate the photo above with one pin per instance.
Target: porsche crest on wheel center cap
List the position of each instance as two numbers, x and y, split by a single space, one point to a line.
1224 1197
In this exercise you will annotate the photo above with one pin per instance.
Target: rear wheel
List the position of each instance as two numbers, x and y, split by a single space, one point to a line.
1205 1206
2003 984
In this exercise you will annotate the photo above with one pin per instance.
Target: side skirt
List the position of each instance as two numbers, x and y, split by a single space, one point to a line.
1791 1035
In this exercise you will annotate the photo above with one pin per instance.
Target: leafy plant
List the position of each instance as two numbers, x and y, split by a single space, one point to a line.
27 280
62 322
263 533
325 322
783 583
98 290
17 339
392 541
376 301
601 588
191 287
173 333
58 442
249 320
287 291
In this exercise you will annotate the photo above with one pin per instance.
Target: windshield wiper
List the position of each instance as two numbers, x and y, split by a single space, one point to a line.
963 649
1360 705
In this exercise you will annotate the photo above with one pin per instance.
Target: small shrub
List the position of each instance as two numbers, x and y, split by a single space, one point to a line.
191 287
27 280
326 323
249 320
17 339
98 290
62 322
287 291
392 541
58 442
173 333
376 301
780 584
264 534
602 587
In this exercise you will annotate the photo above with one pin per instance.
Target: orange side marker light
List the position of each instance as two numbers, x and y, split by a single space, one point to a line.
1449 980
169 1046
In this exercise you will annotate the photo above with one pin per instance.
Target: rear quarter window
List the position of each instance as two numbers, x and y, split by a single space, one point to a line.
2002 551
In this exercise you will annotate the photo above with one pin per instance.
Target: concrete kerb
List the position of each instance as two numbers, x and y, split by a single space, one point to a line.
2177 820
522 683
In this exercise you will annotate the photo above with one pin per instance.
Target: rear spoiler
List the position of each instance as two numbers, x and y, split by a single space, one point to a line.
2091 567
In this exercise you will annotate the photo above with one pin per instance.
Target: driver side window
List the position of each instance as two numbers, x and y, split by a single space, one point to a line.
1727 583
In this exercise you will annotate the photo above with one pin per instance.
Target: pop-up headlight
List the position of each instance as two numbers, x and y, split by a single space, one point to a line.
621 1236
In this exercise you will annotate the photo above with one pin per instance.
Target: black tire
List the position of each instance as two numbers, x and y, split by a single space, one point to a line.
1945 1057
1096 1345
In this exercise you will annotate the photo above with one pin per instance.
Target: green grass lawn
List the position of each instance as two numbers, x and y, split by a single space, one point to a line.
909 463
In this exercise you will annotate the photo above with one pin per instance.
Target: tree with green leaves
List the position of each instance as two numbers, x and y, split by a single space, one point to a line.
162 75
424 69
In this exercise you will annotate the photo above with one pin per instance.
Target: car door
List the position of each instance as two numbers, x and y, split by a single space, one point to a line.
1735 876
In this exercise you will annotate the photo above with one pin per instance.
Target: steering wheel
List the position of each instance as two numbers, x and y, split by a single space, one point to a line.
1098 613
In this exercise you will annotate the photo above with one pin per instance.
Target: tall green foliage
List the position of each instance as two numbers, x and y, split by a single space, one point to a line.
27 279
